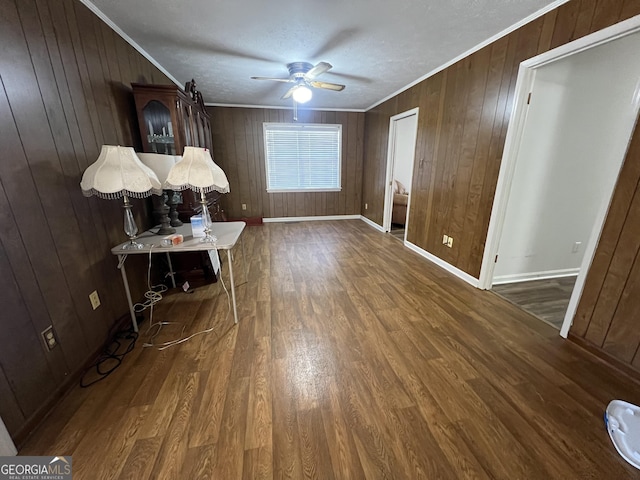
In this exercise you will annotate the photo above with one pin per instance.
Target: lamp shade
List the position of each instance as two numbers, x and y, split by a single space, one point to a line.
197 171
160 164
118 172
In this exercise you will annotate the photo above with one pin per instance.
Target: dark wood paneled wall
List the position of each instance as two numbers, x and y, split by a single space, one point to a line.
609 309
64 92
238 147
464 113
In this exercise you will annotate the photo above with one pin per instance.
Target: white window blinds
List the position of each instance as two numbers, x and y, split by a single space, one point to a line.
302 156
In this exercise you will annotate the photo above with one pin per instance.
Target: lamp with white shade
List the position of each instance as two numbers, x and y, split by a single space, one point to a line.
118 172
197 171
165 209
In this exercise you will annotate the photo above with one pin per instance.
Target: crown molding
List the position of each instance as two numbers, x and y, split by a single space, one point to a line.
472 50
129 40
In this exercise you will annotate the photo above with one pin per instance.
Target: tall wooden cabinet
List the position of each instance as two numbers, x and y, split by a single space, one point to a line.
170 119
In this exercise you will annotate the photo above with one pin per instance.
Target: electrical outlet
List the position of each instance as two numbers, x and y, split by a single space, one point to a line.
450 242
94 299
576 247
366 206
49 338
244 206
445 239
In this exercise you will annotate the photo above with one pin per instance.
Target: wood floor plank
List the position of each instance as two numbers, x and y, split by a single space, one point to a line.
316 460
169 464
548 299
487 439
420 450
463 462
206 431
106 425
123 442
287 461
159 418
342 449
258 464
525 434
230 454
375 455
259 414
199 462
140 461
353 358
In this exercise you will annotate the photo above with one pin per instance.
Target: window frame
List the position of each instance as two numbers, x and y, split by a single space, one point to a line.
266 126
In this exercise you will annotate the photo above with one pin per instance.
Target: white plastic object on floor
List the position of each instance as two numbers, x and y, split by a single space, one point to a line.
622 420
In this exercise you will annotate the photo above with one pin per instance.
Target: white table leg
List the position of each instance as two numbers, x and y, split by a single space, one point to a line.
121 260
244 260
233 286
173 275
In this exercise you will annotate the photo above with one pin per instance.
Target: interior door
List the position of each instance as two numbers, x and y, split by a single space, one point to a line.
403 131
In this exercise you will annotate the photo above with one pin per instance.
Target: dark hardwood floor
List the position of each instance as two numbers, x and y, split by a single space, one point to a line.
397 231
354 358
547 299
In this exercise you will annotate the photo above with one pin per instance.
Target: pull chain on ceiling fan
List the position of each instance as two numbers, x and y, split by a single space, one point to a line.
303 75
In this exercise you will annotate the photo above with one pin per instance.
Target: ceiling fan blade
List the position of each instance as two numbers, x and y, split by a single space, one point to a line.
319 69
328 86
285 80
289 92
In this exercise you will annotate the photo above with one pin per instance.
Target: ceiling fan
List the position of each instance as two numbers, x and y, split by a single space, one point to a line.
303 75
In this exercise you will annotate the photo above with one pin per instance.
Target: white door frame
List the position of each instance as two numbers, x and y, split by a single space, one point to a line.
515 130
7 448
388 192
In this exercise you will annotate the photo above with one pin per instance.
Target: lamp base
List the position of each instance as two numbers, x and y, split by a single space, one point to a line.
208 238
174 199
130 227
206 220
132 245
161 212
166 230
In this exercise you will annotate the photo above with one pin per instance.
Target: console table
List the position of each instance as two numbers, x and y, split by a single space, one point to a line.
227 233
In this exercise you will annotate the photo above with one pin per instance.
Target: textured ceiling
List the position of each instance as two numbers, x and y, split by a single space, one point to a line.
376 47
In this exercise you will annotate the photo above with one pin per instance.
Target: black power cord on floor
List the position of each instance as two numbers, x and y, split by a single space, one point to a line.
122 343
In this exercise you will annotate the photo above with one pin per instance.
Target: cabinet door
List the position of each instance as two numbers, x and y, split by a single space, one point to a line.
207 135
187 125
157 128
201 138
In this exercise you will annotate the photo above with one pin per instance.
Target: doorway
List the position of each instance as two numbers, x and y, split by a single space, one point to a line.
403 130
575 110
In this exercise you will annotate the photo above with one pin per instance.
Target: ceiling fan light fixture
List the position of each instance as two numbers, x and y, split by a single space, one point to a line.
303 76
302 94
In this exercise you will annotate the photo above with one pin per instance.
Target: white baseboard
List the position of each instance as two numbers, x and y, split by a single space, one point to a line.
310 219
445 265
526 277
371 223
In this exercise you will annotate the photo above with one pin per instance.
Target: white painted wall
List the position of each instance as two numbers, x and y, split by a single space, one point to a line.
7 448
405 150
576 134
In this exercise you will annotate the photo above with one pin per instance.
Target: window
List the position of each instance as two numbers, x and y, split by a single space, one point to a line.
302 157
